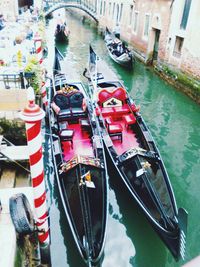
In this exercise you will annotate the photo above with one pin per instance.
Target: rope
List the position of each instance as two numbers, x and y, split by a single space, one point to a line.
16 163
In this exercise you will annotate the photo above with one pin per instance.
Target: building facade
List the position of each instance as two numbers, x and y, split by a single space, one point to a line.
182 49
143 23
163 31
160 31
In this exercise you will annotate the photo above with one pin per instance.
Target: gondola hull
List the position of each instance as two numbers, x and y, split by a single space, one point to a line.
74 215
123 60
172 239
135 156
123 57
80 166
62 35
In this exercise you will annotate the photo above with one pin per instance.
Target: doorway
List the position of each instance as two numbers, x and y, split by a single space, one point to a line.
156 44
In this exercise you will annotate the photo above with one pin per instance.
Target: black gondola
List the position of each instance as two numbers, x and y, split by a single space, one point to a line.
118 51
62 32
135 156
80 166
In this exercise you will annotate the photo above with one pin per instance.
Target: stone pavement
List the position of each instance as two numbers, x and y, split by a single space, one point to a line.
12 101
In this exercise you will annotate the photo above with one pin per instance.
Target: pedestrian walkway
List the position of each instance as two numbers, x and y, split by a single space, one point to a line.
12 99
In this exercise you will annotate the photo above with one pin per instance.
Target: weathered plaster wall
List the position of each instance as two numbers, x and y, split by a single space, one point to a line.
190 55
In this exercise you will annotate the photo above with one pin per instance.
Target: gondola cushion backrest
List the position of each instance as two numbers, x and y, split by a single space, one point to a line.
69 105
65 101
62 101
76 100
117 97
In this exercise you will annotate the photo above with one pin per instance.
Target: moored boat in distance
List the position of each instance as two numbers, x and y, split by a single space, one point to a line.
80 166
135 156
61 32
118 51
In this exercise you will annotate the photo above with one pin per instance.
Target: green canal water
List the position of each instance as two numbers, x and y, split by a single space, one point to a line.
174 123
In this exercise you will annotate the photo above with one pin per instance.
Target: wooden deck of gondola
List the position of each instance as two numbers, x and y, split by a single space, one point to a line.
7 231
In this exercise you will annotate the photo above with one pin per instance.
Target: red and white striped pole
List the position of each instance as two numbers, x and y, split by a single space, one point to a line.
39 53
44 94
33 115
38 47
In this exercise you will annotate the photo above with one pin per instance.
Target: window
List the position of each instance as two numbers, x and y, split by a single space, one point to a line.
135 26
104 7
109 10
178 46
185 15
121 9
146 25
101 7
117 13
113 10
131 15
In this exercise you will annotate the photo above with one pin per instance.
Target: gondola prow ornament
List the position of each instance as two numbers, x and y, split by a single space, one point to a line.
33 115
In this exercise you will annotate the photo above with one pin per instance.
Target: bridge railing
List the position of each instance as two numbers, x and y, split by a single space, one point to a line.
83 3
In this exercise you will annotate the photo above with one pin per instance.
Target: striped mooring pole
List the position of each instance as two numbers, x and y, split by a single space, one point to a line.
38 47
33 115
44 94
39 53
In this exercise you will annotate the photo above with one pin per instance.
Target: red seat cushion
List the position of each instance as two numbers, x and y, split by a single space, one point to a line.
107 111
129 119
109 120
115 128
118 93
67 133
104 95
121 110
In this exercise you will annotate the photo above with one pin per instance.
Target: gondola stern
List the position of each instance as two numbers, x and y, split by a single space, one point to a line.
183 221
176 243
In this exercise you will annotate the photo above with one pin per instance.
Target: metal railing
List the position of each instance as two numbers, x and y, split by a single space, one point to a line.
19 80
90 7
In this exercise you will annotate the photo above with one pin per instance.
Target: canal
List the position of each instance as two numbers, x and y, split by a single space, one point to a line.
174 123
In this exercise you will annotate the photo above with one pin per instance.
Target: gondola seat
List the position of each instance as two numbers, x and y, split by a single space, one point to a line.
107 111
129 120
120 111
119 94
114 128
69 106
85 125
66 134
113 103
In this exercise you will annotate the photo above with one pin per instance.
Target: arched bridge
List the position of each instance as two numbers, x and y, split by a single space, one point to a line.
89 8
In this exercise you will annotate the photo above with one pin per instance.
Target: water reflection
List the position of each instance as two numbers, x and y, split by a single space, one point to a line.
119 249
138 230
